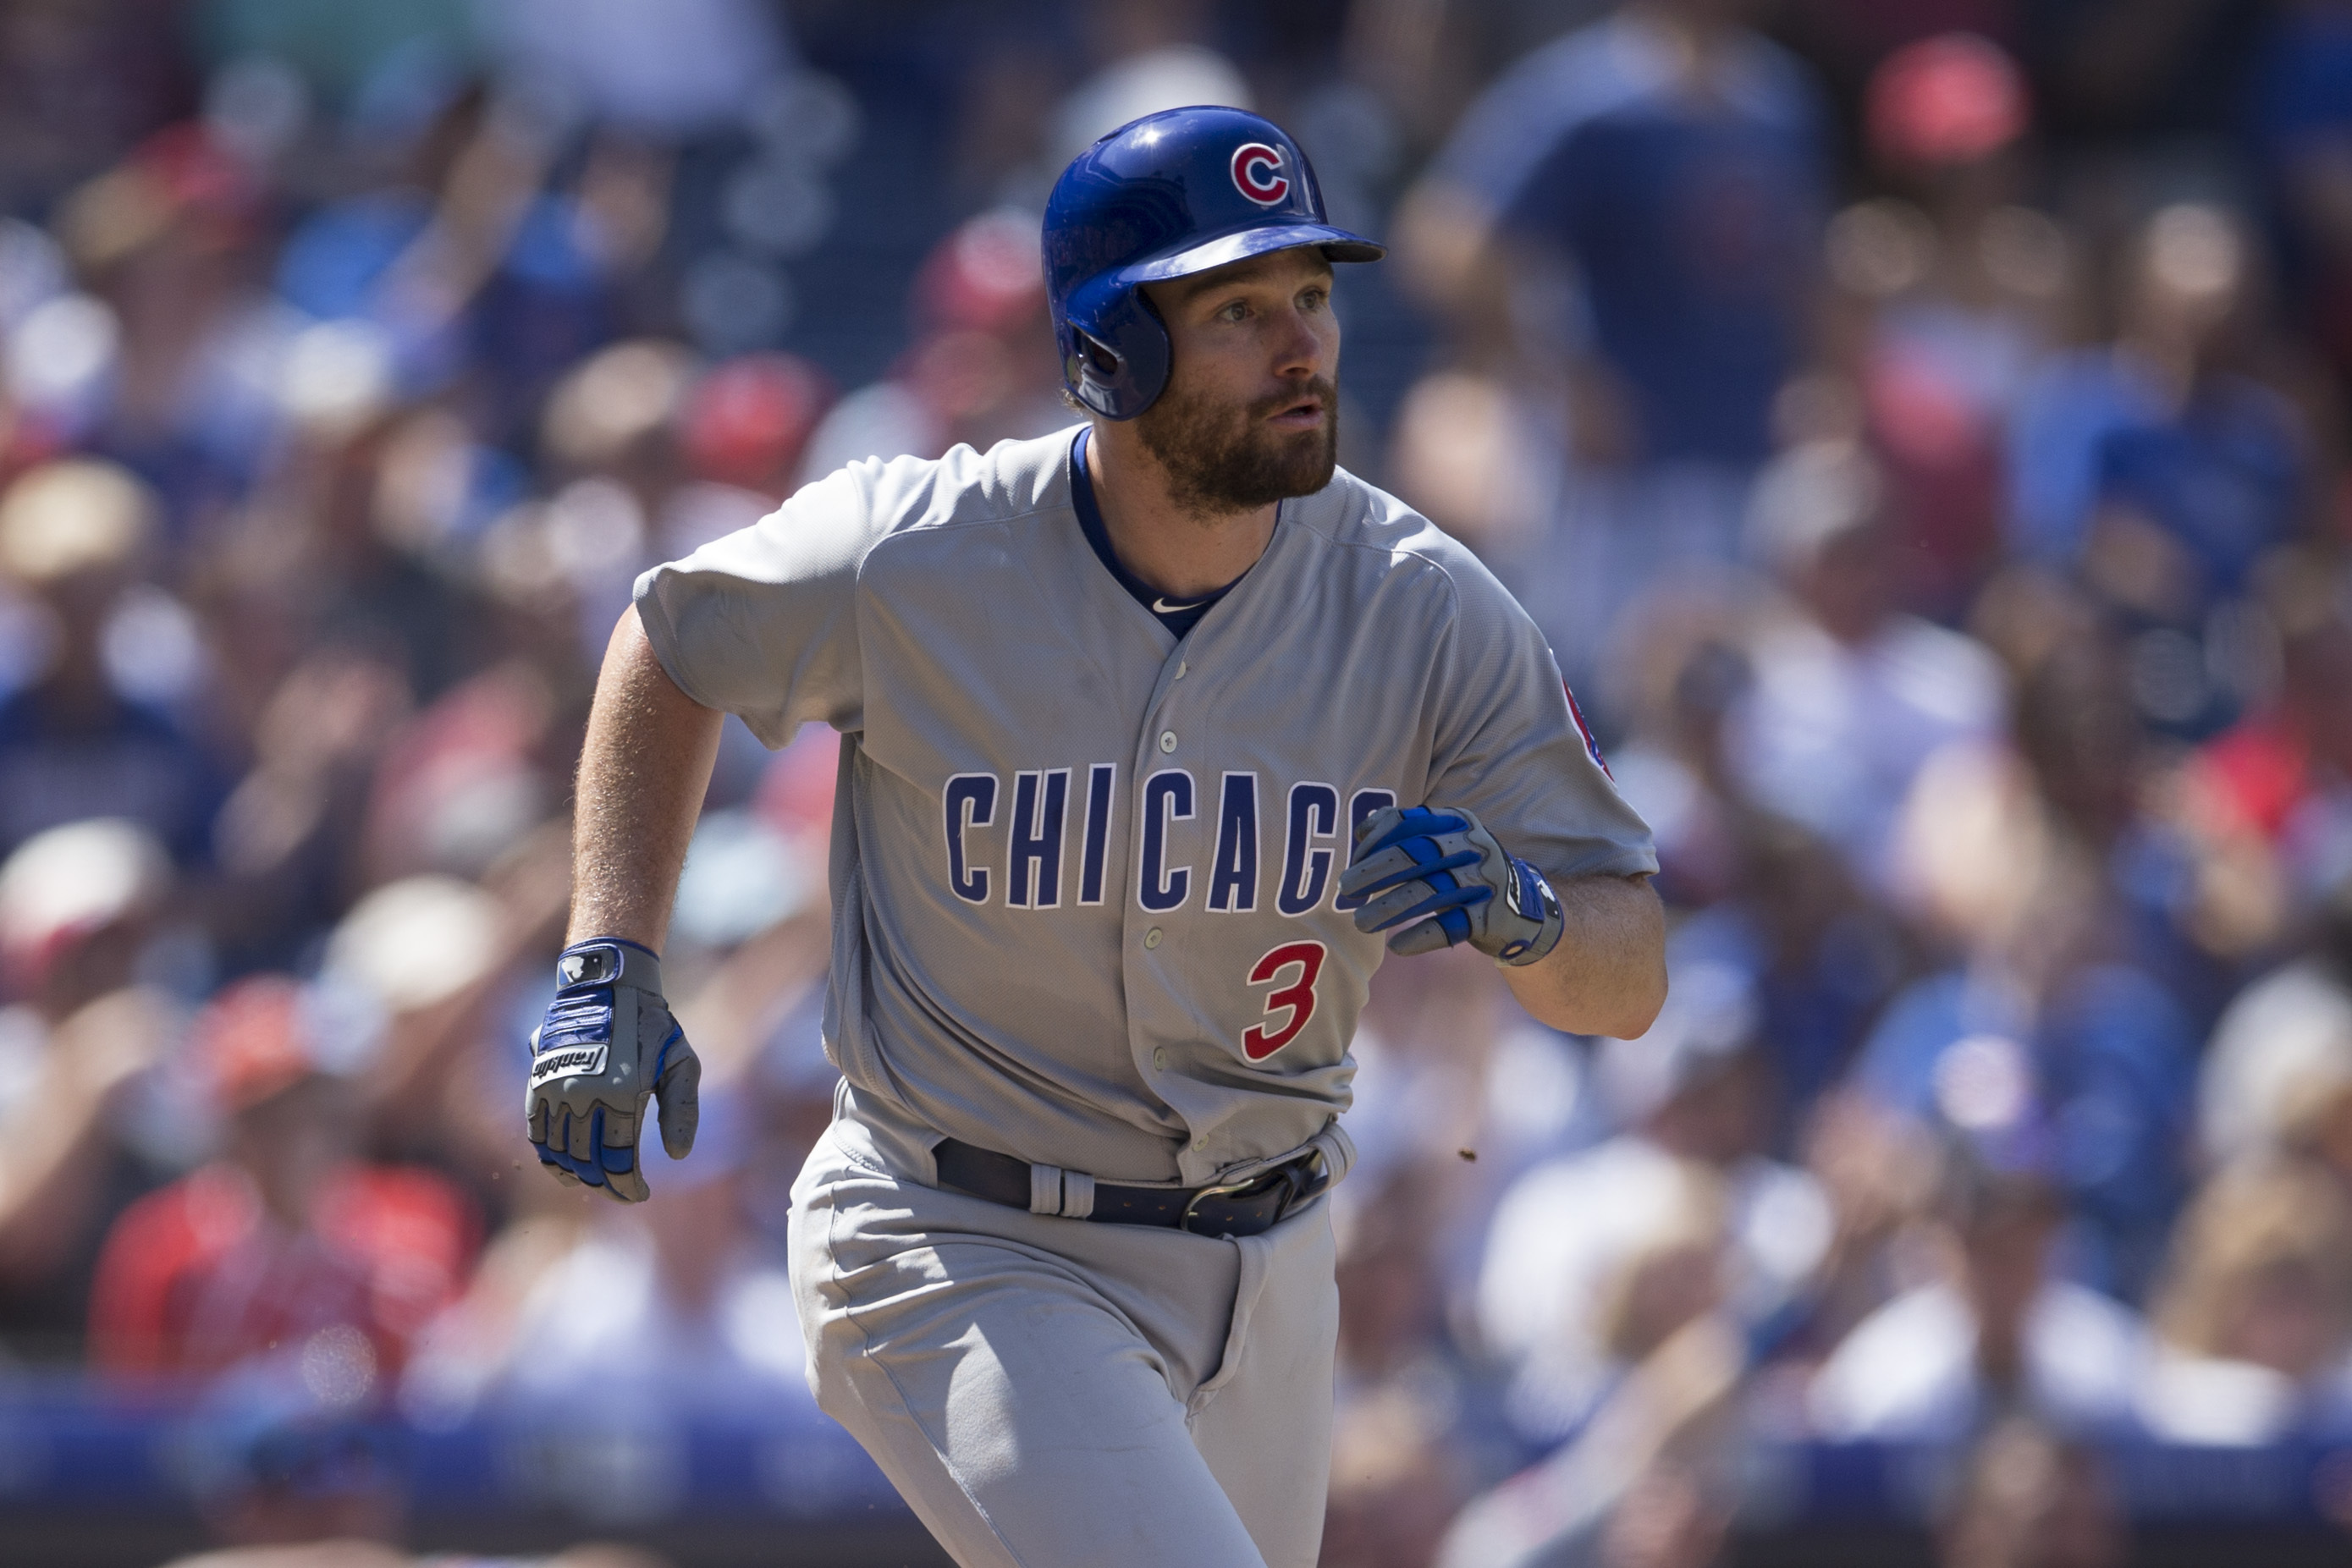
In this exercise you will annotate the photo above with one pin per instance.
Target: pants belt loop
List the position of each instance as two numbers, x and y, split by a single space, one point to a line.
1078 1195
1045 1190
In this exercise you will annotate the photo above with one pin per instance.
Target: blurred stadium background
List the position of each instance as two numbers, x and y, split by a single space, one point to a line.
1919 423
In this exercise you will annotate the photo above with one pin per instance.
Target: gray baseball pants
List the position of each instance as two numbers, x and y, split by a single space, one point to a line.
1052 1392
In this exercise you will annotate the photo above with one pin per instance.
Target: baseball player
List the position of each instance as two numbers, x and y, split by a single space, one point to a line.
1156 735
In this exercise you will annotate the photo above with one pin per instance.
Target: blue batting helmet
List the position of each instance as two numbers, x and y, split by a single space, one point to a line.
1172 194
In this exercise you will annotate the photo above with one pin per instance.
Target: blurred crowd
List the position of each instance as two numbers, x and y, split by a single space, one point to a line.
1919 426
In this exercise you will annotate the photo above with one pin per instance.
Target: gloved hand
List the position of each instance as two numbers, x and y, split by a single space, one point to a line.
607 1045
1445 870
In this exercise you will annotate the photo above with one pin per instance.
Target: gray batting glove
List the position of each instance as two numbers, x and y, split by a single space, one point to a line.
607 1046
1442 878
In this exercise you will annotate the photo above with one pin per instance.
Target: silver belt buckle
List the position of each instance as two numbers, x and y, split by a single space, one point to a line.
1302 1186
1221 1189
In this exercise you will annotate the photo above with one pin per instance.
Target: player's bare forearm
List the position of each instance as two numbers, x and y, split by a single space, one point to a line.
643 773
1608 975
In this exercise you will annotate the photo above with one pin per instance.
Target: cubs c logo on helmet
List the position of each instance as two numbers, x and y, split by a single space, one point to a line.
1257 174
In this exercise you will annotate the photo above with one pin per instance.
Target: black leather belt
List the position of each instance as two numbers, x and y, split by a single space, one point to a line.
1237 1209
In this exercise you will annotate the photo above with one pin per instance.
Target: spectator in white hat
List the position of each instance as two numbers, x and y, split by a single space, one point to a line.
75 743
78 904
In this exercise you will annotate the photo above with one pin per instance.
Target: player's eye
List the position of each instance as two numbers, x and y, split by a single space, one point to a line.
1233 310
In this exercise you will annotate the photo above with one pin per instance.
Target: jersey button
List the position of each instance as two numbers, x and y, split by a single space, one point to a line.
1181 667
1167 740
1151 938
1201 1142
1160 1058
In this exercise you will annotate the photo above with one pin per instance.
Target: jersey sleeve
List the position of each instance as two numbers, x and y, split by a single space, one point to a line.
1512 746
763 621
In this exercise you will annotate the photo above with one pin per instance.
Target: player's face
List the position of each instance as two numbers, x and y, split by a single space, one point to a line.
1251 415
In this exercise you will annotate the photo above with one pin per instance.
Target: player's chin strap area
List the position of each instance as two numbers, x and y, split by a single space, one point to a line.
1254 1199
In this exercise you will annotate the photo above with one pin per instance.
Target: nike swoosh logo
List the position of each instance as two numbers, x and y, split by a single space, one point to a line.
1161 607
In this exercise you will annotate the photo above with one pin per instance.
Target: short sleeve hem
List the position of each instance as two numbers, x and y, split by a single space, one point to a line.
652 615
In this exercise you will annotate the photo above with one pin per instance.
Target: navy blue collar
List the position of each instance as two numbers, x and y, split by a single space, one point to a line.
1178 618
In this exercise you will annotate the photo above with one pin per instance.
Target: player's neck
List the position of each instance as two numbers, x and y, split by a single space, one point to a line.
1176 551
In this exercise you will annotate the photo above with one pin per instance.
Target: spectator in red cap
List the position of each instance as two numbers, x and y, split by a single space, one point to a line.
172 244
287 1236
1953 285
746 421
1948 101
983 368
742 429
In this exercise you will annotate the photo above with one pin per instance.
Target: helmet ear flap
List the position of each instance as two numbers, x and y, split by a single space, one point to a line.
1117 364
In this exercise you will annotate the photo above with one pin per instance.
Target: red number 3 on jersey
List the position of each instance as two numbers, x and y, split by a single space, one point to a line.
1298 997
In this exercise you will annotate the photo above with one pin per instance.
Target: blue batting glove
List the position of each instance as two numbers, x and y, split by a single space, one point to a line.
608 1045
1438 877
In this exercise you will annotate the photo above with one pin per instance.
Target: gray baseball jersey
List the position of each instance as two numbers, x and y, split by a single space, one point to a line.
1084 871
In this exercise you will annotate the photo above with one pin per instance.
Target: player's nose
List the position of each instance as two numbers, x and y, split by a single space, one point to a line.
1303 345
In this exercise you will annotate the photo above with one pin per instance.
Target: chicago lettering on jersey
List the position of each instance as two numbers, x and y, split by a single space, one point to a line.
1167 799
1043 813
1233 880
1033 871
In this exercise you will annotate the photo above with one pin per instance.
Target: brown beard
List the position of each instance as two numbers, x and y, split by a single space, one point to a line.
1220 461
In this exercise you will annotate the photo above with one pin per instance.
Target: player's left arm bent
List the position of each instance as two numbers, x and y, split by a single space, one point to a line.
1587 955
1607 975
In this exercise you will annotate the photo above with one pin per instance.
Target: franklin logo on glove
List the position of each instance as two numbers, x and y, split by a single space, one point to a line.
607 1046
550 1064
